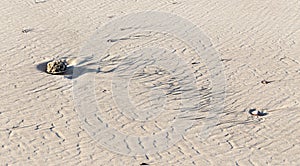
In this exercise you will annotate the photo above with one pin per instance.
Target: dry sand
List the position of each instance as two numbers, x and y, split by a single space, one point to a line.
257 40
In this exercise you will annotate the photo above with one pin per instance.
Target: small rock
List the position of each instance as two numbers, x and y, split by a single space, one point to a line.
56 67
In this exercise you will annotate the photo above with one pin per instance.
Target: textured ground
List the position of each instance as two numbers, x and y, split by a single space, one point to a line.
257 40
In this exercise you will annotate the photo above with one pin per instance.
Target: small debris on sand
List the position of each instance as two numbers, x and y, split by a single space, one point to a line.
255 112
40 1
27 30
266 82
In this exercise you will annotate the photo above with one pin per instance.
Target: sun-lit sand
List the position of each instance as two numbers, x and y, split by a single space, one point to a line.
259 47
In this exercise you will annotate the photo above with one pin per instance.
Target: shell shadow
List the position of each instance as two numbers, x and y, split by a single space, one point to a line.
42 66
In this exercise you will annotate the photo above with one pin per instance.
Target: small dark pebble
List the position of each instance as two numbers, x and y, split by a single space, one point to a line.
144 164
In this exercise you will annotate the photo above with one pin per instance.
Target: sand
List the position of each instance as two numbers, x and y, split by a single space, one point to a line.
41 118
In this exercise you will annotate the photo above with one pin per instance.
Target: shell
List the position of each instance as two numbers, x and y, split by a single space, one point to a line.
57 66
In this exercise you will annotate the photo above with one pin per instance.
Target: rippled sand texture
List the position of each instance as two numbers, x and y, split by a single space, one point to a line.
257 40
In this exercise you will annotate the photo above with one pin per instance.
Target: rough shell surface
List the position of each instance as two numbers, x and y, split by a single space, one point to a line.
56 67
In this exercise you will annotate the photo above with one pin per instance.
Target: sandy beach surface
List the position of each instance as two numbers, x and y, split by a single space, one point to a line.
49 120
